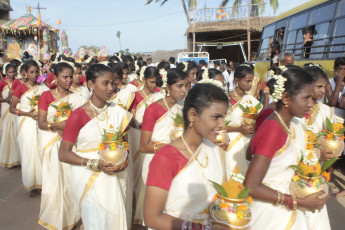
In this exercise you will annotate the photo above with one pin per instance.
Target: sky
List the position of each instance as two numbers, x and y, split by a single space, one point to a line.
144 28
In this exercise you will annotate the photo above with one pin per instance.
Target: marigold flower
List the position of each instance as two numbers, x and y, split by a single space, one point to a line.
337 126
310 146
295 178
101 146
224 205
329 137
250 200
252 110
68 112
326 175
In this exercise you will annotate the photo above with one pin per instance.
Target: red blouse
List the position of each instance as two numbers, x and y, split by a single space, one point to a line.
76 121
45 99
165 165
152 113
137 99
269 138
232 101
3 83
133 83
262 117
50 78
82 80
20 90
157 89
15 84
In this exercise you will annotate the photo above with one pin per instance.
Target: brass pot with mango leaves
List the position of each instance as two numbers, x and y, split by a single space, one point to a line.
177 131
222 135
248 119
336 146
114 152
233 213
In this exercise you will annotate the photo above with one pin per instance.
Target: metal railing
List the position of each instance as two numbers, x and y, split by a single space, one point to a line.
238 13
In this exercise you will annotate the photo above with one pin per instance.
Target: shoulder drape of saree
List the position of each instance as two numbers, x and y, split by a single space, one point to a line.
109 195
9 150
58 208
125 97
190 192
279 177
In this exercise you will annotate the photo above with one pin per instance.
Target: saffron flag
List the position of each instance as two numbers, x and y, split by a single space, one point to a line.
38 20
59 21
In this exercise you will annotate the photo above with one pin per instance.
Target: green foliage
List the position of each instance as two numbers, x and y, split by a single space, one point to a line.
220 189
328 164
297 168
54 106
340 131
244 193
329 125
178 119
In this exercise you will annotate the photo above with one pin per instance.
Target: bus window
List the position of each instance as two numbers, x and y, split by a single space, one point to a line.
319 15
264 52
299 44
320 40
290 43
338 43
298 21
280 35
268 31
341 8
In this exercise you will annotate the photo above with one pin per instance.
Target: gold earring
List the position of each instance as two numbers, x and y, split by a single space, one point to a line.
286 105
191 125
168 94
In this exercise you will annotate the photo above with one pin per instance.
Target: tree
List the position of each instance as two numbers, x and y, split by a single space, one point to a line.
118 35
257 9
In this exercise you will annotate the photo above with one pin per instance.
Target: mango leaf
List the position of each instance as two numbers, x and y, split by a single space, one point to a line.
105 137
297 168
329 125
54 106
341 131
328 164
178 119
246 110
220 189
244 193
258 107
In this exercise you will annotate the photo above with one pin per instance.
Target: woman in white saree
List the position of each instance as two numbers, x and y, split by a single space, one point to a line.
277 144
156 128
100 191
76 87
58 209
178 192
9 150
238 132
24 104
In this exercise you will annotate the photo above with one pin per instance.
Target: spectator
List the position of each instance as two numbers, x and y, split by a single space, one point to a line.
275 50
172 62
226 75
216 65
308 34
335 90
149 62
286 59
202 64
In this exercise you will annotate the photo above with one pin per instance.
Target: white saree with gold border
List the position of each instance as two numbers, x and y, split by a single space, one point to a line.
191 192
9 149
58 209
101 198
161 134
82 91
278 177
125 96
236 151
28 141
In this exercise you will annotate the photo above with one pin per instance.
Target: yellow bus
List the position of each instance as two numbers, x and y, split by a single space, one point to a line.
326 17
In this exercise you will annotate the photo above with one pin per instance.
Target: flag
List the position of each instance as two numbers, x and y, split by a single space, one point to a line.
59 21
38 20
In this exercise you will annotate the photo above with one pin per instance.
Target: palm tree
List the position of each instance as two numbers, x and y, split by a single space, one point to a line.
258 5
118 35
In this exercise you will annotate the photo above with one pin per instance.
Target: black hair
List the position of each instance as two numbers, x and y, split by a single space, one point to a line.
70 59
61 66
86 57
201 96
338 62
29 64
172 60
297 79
96 70
114 59
92 62
125 66
202 62
164 65
275 69
151 71
190 65
15 63
139 59
213 72
275 44
309 29
52 57
241 71
77 65
174 75
270 84
316 72
127 58
116 68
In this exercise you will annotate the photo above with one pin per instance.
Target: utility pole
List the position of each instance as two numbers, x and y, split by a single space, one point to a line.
248 31
39 8
118 35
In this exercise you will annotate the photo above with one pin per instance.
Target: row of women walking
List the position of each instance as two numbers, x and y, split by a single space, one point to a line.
168 175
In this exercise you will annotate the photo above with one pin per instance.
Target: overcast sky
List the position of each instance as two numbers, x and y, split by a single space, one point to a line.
143 27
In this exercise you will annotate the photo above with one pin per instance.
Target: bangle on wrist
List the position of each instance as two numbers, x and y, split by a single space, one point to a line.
155 147
17 112
49 127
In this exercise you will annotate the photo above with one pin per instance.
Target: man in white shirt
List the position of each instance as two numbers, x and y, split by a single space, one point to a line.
172 62
225 73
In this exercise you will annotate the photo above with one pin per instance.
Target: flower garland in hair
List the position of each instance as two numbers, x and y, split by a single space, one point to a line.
211 81
87 61
143 68
185 66
4 68
316 65
283 68
278 87
164 77
19 67
270 73
137 68
70 63
156 64
205 74
104 63
246 65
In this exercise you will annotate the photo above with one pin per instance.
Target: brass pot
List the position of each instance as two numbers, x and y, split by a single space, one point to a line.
228 218
117 156
62 118
222 136
177 131
335 146
302 191
248 120
35 108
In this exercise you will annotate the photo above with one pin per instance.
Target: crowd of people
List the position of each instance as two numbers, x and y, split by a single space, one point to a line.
57 115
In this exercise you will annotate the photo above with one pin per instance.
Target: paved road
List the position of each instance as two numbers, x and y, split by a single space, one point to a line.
20 212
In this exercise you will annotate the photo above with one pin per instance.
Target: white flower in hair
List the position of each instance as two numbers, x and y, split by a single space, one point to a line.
4 68
316 65
211 81
119 57
283 68
19 67
164 75
270 73
88 60
185 66
156 64
205 74
104 63
136 66
278 87
143 68
70 63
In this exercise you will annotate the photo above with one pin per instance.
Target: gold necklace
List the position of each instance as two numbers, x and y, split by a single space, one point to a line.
236 95
287 130
101 116
166 104
59 94
194 155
